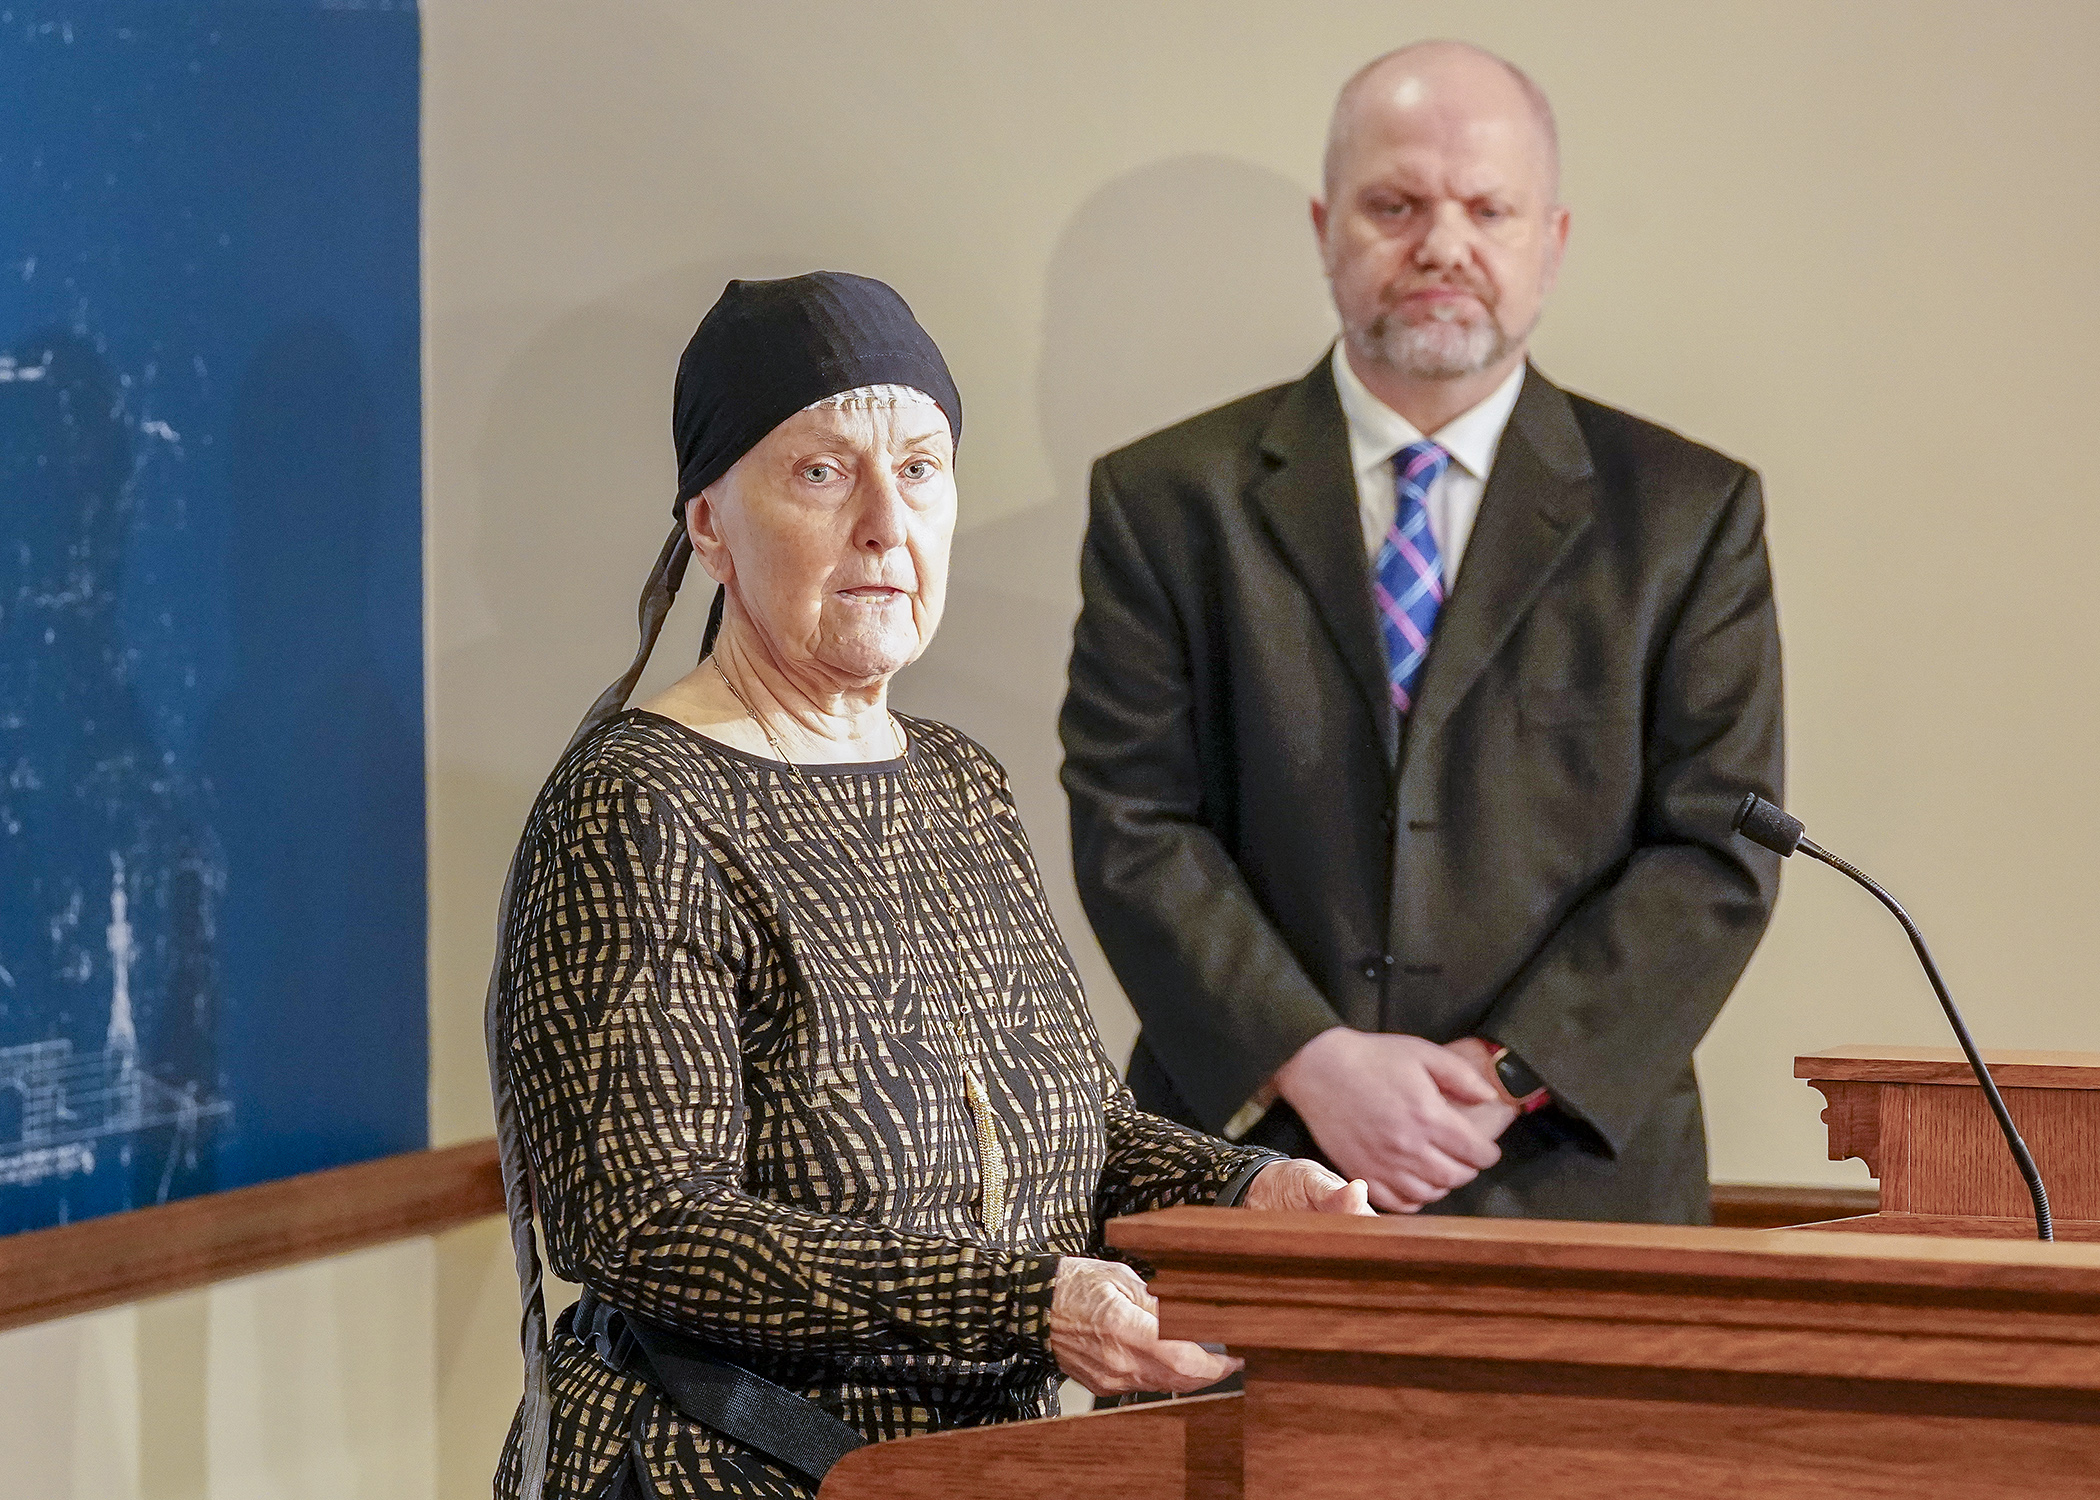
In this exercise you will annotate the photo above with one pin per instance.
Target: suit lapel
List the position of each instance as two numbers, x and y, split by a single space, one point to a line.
1308 501
1538 501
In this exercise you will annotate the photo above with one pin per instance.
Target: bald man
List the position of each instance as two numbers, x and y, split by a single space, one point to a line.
1409 705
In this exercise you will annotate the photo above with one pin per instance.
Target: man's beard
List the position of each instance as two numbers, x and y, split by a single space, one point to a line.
1438 348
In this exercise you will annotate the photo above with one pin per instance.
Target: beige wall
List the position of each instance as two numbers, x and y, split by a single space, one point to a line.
1849 242
318 1382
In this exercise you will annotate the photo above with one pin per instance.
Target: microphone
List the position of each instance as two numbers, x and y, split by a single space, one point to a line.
1760 822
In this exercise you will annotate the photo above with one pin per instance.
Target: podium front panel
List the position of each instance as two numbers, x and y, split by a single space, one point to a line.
1475 1358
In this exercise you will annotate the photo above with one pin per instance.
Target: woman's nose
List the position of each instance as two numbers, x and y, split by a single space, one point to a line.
882 519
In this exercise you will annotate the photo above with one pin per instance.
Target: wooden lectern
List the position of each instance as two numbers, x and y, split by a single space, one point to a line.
1476 1358
1917 1118
1937 1353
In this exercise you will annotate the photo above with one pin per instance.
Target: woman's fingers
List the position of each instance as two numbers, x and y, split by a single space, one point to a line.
1104 1333
1104 1322
1180 1366
1128 1323
1346 1198
1303 1184
1167 1364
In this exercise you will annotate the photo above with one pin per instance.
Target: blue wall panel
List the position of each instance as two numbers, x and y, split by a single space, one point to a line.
212 913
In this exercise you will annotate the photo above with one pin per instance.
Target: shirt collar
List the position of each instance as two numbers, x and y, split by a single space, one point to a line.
1377 432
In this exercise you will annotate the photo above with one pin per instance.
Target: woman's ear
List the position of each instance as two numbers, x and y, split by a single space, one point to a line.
703 529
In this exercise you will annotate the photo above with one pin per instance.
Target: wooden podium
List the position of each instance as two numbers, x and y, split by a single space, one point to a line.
1480 1358
1939 1351
1917 1118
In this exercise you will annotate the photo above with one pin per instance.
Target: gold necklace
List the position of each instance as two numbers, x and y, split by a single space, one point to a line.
992 1168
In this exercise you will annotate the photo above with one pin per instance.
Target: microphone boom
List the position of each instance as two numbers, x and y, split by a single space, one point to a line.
1764 824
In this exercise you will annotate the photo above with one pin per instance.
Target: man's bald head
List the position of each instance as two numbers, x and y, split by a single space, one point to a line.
1440 223
1444 75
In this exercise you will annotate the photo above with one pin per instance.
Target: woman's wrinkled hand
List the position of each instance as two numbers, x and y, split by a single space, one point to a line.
1304 1186
1104 1333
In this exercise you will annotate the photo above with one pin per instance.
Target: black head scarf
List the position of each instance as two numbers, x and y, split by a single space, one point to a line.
766 350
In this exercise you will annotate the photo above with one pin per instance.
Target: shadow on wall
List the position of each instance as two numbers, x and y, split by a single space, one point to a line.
573 476
1173 289
579 439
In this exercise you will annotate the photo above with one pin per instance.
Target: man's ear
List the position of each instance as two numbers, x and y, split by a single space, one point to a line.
703 530
1319 224
1557 231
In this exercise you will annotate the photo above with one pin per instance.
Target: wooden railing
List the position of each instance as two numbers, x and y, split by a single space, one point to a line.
150 1252
1751 1205
52 1273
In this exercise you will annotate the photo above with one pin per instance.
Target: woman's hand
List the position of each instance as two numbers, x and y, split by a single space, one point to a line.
1306 1187
1104 1333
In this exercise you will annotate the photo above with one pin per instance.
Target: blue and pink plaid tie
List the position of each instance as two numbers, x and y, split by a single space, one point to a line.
1410 572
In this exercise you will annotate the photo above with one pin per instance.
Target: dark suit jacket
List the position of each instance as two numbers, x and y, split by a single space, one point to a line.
1540 854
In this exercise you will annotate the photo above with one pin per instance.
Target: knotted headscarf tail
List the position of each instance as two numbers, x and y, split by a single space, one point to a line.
658 594
766 350
519 1197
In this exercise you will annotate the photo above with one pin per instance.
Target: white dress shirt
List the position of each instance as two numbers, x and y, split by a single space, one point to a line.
1377 432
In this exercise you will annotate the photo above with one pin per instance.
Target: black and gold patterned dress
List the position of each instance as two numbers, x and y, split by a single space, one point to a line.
804 1069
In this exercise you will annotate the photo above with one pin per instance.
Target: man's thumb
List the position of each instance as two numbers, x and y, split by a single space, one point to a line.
1458 1079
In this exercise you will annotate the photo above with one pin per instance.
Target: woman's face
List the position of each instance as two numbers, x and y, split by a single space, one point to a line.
832 534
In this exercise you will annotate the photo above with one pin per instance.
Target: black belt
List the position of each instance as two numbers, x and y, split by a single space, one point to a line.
709 1389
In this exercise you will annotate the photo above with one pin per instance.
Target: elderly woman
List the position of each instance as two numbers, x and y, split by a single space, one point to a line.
788 1052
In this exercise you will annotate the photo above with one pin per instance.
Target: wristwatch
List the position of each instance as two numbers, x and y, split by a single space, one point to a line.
1520 1086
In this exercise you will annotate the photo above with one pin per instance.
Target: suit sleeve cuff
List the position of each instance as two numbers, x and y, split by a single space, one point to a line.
1251 1113
1599 1126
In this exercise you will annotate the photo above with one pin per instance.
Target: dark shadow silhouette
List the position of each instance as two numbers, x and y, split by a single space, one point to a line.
578 438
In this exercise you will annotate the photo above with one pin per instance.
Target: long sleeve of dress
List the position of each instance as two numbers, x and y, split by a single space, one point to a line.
1155 1163
626 1044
